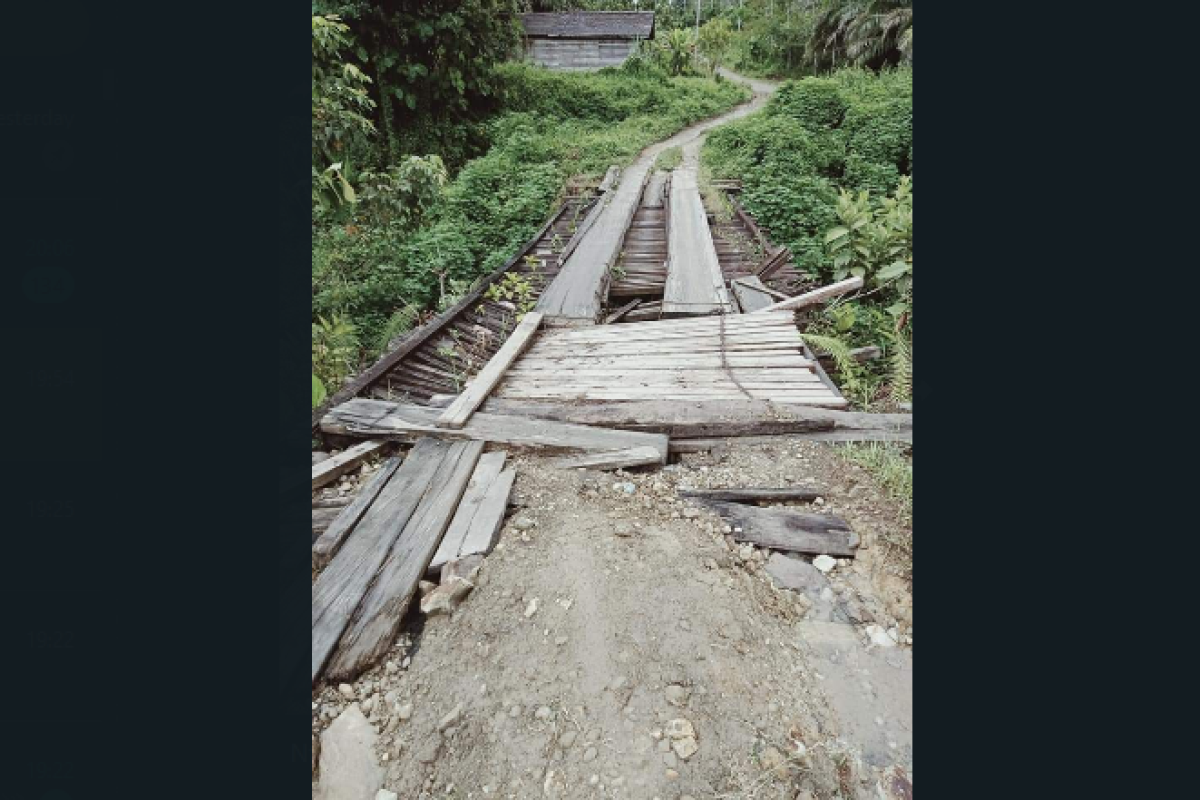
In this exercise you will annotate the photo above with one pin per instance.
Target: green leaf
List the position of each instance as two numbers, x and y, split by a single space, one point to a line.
836 233
893 270
318 391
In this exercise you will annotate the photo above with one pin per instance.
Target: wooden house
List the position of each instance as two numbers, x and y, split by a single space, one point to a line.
585 40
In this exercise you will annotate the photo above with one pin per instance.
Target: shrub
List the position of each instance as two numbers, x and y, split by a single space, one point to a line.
817 103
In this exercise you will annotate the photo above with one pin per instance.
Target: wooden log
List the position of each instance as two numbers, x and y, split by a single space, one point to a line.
372 630
486 472
407 422
614 459
816 295
784 529
338 590
790 494
333 468
324 547
478 389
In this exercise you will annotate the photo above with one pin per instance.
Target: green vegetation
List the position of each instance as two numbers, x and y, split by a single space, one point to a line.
827 169
890 464
669 159
429 173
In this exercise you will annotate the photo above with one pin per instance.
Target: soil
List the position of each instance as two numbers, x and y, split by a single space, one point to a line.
647 612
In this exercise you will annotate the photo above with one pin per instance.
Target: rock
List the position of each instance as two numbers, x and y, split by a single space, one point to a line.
560 640
568 738
680 729
346 691
405 712
794 574
451 718
523 523
424 588
430 750
348 767
685 748
745 552
670 759
466 568
824 563
319 456
623 529
532 608
676 695
690 512
543 713
879 636
446 597
590 754
672 775
384 794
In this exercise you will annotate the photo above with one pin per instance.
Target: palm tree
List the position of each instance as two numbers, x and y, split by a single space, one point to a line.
870 33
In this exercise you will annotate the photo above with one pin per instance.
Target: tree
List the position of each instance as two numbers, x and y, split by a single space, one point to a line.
340 104
869 33
715 37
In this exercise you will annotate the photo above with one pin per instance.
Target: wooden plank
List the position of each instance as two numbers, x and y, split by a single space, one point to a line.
816 295
781 318
486 472
372 630
622 311
485 527
700 419
324 548
737 360
338 590
407 422
610 179
333 468
578 291
695 284
772 264
785 529
789 494
613 459
589 219
836 436
750 293
321 519
478 389
388 361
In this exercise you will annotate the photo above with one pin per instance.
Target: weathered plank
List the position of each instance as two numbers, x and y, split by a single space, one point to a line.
790 494
702 419
408 422
485 527
815 296
750 293
333 468
614 459
338 590
784 529
321 519
376 621
622 311
695 284
486 472
327 544
478 389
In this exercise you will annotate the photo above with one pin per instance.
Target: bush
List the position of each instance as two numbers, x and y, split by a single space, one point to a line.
817 103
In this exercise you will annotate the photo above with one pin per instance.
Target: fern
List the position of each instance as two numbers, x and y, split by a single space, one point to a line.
901 368
848 368
401 322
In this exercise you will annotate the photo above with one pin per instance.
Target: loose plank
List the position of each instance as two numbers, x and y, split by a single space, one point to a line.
373 628
478 389
328 543
486 472
784 529
754 495
340 588
485 527
333 468
750 293
408 422
615 459
815 296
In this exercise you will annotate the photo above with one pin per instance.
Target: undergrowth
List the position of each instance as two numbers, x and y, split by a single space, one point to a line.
892 468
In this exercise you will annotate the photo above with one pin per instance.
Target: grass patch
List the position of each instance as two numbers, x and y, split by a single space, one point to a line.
669 159
892 469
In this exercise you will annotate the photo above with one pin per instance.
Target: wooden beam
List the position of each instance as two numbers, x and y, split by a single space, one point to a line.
372 630
754 495
695 283
622 311
613 459
486 472
481 386
750 293
326 546
485 527
333 468
784 529
816 295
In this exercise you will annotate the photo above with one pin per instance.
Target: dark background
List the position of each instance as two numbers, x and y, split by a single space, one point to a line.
156 234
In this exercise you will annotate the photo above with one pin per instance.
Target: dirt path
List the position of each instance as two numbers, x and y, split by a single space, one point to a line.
643 613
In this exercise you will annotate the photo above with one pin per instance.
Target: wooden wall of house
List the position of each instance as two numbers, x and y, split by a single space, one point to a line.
579 54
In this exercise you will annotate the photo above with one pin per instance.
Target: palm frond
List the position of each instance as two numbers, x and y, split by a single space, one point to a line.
901 368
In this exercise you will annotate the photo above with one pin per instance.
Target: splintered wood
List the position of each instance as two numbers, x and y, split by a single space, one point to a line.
740 357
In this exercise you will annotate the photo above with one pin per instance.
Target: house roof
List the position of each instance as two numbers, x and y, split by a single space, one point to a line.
590 25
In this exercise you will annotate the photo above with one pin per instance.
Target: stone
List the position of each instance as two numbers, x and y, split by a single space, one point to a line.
384 794
346 691
560 640
543 713
405 712
532 608
568 738
669 759
425 587
623 529
430 750
825 563
690 512
685 748
745 552
680 729
879 636
447 597
676 695
348 769
590 754
523 523
451 718
774 762
466 568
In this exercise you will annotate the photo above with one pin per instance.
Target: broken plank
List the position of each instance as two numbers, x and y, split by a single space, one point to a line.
614 459
486 472
371 631
324 547
407 422
485 527
335 467
750 293
340 588
815 296
321 519
754 495
622 311
784 529
478 389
